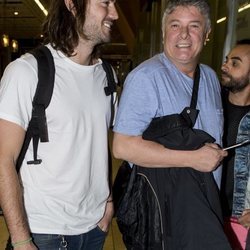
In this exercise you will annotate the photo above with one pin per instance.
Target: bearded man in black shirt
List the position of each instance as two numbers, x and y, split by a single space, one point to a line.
235 188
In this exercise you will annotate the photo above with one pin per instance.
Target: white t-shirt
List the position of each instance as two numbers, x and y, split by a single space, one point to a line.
67 192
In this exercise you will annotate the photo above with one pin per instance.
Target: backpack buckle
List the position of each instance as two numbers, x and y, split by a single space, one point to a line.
35 162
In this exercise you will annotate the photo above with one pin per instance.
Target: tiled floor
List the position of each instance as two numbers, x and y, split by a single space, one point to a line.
113 240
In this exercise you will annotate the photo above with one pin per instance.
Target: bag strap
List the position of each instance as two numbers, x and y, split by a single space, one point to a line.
190 113
195 88
111 88
37 128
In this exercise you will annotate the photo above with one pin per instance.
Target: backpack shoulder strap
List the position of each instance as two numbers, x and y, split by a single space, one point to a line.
111 88
37 128
46 76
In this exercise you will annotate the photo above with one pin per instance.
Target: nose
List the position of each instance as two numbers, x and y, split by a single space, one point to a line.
113 12
184 32
224 67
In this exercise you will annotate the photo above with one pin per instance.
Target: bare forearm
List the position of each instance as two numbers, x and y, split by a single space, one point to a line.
143 153
151 154
11 200
11 197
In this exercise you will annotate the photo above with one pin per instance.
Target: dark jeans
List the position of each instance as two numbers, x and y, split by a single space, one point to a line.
93 240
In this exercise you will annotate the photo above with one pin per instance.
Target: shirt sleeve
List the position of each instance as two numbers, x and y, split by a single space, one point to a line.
138 104
17 89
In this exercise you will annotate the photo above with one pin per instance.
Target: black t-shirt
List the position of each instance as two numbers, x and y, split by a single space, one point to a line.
233 115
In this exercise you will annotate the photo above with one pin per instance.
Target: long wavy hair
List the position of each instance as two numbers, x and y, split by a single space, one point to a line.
61 28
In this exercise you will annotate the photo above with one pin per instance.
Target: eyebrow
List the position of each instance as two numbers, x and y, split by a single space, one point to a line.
235 58
177 20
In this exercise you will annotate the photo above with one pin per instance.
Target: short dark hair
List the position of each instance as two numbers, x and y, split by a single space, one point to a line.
243 42
61 28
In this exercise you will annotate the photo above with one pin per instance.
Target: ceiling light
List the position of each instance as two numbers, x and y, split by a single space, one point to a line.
239 10
5 40
244 7
221 20
41 7
14 45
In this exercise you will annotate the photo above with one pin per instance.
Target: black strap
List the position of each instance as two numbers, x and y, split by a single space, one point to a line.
46 74
111 88
190 113
37 128
195 88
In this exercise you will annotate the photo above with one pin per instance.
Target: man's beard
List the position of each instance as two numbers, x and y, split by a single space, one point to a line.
235 85
94 34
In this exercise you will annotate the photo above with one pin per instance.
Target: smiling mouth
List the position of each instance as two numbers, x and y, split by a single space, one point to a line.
108 25
183 46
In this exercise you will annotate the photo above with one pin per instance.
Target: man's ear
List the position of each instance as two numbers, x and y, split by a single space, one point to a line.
206 36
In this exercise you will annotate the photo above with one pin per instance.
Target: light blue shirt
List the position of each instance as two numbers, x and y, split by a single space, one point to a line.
157 88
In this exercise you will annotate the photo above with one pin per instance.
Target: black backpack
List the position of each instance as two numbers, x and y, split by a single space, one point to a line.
37 128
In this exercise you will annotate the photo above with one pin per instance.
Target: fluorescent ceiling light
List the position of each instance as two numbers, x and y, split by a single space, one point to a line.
244 7
239 10
221 20
41 7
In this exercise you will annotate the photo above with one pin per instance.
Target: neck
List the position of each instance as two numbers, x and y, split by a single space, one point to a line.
241 98
188 68
83 54
189 71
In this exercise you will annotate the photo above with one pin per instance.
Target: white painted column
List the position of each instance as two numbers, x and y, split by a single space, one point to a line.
232 6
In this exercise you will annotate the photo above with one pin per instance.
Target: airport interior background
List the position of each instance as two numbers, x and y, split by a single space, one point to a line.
136 37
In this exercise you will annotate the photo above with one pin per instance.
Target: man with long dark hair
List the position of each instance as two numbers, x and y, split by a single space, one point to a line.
65 202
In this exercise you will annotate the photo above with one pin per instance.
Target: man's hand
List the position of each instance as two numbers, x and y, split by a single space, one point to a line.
208 158
244 220
105 222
